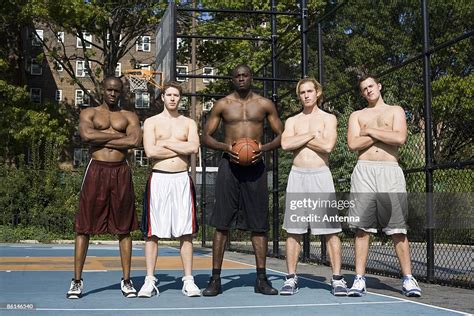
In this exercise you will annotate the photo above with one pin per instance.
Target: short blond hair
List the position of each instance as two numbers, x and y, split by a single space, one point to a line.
317 86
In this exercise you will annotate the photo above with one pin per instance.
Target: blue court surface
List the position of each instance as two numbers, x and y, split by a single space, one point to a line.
38 276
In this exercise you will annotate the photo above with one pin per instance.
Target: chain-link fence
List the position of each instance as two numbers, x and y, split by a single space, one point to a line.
438 170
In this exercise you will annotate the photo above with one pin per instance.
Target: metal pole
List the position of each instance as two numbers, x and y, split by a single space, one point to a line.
172 6
203 187
304 74
276 218
322 238
428 144
193 86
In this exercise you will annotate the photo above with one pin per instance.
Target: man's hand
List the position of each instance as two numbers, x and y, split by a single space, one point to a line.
257 154
364 131
234 157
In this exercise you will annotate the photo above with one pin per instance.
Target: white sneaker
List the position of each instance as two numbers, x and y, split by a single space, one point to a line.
149 287
127 288
75 290
189 288
358 287
410 287
338 287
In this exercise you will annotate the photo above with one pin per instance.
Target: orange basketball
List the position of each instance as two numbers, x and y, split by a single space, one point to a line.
245 148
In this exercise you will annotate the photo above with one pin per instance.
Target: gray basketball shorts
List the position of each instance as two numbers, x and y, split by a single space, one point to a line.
309 194
378 190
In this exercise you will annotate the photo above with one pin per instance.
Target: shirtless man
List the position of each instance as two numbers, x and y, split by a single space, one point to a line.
107 201
169 209
241 192
378 183
311 136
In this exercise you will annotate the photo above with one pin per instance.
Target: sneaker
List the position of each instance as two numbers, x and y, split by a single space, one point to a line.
339 287
75 290
410 287
127 288
149 287
358 287
213 288
290 286
189 288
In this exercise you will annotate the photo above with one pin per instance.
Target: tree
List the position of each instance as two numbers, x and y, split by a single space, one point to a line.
116 24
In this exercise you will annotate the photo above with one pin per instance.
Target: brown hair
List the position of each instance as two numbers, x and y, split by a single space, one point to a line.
172 84
364 77
317 86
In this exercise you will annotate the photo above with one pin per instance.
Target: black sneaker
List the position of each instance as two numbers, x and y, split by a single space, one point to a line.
75 290
262 285
127 288
213 287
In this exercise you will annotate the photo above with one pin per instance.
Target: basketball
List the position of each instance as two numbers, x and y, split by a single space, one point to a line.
245 148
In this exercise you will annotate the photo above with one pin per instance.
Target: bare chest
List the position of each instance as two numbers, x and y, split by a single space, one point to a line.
171 129
376 119
114 120
243 112
305 125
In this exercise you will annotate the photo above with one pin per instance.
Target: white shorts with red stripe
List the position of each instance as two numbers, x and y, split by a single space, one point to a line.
169 205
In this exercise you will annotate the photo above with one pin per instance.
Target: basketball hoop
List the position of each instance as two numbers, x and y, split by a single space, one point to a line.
140 78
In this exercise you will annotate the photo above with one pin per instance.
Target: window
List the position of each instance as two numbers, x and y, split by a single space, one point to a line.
183 104
59 95
82 98
60 37
181 70
35 95
208 71
37 38
140 157
143 44
207 106
36 67
144 66
118 70
142 100
120 40
81 70
87 40
58 66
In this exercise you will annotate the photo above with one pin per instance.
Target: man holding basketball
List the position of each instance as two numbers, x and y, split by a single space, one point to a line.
311 136
241 191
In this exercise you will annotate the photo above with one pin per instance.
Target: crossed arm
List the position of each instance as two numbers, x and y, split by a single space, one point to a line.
164 149
110 138
320 142
361 137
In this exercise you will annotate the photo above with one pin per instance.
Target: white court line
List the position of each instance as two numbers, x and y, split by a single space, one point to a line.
383 295
214 308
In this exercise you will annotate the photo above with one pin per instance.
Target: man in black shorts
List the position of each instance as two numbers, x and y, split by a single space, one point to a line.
241 192
107 201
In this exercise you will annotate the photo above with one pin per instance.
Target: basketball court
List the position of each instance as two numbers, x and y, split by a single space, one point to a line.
38 276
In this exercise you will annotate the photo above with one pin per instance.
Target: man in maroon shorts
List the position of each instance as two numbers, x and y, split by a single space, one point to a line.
107 201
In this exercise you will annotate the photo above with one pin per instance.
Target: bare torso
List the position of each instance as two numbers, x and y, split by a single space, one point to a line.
109 122
313 123
172 129
243 118
380 118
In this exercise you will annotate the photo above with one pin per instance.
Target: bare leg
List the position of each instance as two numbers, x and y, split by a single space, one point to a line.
218 247
80 252
333 244
293 249
125 245
402 248
186 250
361 251
260 245
151 252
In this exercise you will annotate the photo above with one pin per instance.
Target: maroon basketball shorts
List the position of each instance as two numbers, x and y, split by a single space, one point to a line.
241 197
107 201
